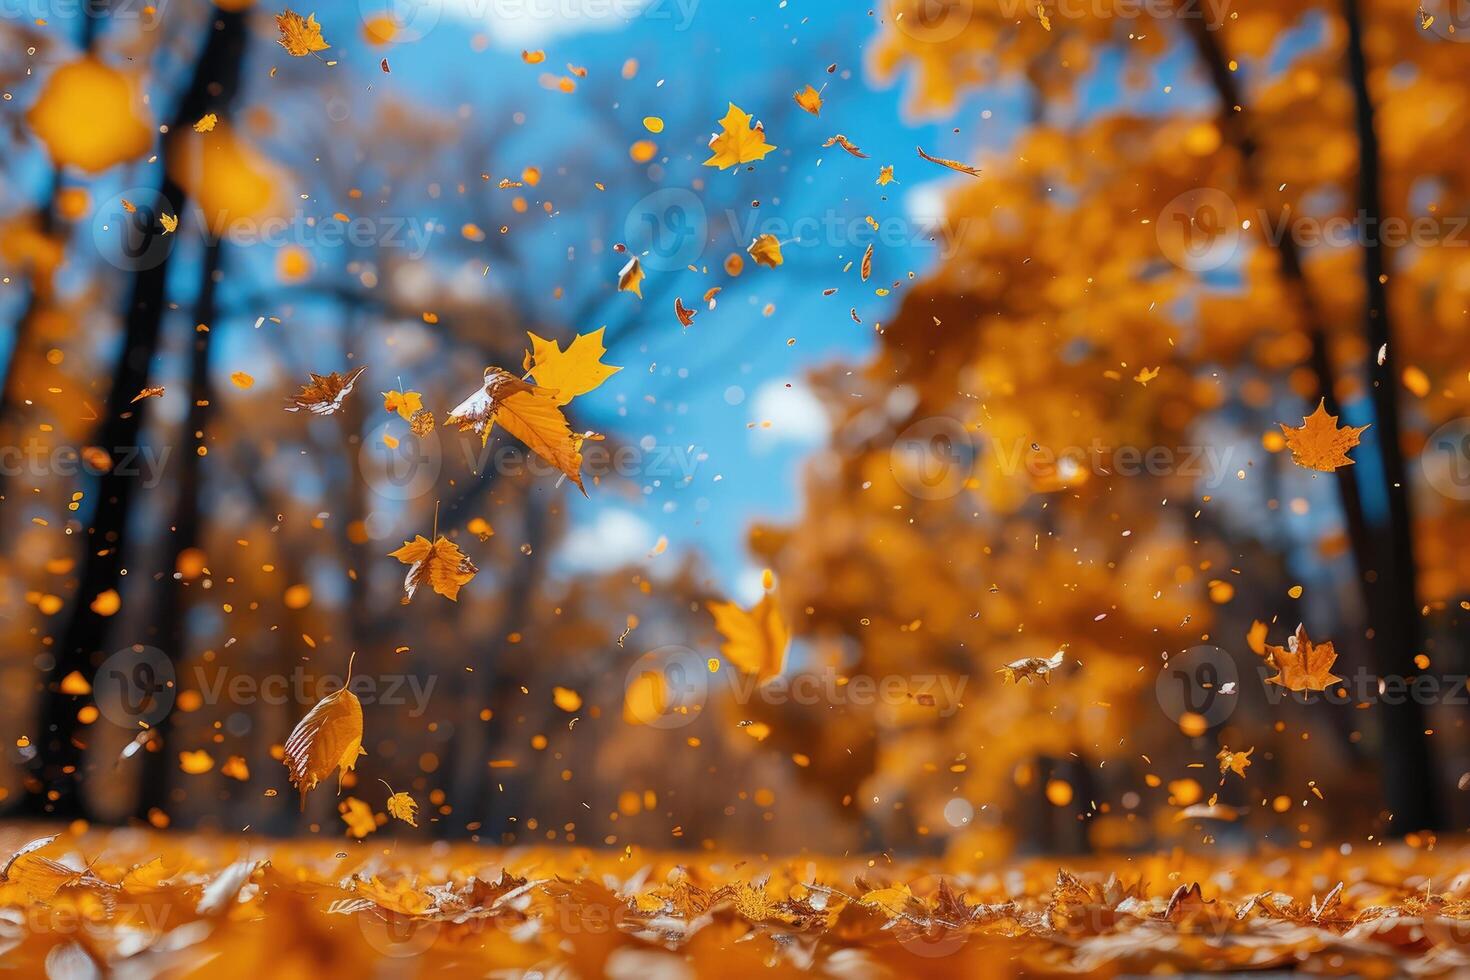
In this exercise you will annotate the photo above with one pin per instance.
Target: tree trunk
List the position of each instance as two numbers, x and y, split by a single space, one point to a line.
172 604
1409 773
60 749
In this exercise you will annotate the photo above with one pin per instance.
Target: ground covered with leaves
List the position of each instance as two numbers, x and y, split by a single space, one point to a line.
128 902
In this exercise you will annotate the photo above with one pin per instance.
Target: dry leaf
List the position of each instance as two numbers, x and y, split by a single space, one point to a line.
684 313
630 278
567 374
885 176
441 564
963 168
329 738
527 412
1319 444
405 403
300 36
155 392
738 141
755 641
766 250
1029 667
810 100
323 395
846 144
358 816
403 807
1302 665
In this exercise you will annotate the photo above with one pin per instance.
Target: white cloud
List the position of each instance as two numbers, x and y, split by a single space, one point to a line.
796 414
517 23
614 538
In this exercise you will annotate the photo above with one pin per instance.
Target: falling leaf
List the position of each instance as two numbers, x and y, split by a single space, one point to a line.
1145 375
206 123
324 394
358 816
405 403
441 564
300 36
170 223
766 250
1319 444
155 392
1236 762
846 144
527 412
810 100
630 278
739 141
1302 665
235 767
684 313
756 641
1041 17
241 380
569 373
885 176
1255 637
329 738
1029 667
866 268
963 168
403 807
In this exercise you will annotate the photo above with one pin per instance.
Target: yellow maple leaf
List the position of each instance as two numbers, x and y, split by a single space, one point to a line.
526 411
206 123
328 738
1303 665
405 403
766 250
1319 444
738 141
300 36
403 807
755 641
810 100
441 564
170 223
358 816
571 372
885 175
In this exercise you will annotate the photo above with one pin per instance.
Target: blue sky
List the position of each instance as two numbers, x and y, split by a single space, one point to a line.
702 389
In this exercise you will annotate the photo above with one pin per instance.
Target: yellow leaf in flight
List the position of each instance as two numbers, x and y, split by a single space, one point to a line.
738 141
403 807
328 738
405 403
358 816
170 223
810 100
526 411
300 36
441 564
756 641
766 250
206 123
566 374
630 278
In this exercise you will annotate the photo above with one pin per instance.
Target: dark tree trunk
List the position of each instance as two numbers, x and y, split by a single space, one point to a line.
1404 767
1409 772
172 605
54 789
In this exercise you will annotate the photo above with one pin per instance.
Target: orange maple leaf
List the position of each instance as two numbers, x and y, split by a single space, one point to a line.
1319 444
1303 665
738 141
